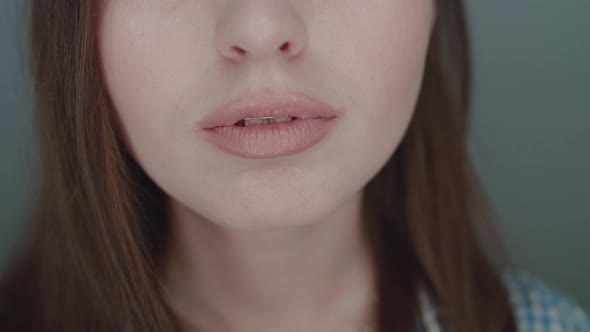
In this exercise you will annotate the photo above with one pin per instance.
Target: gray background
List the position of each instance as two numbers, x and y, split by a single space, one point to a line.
530 142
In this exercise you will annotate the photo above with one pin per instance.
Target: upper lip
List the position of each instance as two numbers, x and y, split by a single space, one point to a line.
267 104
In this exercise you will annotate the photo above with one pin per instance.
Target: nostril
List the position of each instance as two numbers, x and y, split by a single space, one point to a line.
285 46
239 50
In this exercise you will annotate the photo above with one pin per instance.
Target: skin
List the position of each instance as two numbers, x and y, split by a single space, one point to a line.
268 244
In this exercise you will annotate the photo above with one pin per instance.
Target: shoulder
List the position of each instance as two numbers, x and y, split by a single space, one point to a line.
539 307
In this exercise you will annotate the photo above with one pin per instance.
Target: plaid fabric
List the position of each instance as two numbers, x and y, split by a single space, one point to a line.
537 308
541 308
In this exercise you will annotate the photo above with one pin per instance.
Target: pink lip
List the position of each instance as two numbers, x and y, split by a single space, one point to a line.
267 103
314 119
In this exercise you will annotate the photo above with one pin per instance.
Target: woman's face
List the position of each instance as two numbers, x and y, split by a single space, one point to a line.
169 63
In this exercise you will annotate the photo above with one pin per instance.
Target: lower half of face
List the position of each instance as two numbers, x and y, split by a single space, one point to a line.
167 64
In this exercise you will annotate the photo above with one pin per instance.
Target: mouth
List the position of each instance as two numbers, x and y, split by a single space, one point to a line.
268 125
267 108
269 120
246 122
268 138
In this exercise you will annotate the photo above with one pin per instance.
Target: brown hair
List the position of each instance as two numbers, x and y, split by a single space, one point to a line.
98 221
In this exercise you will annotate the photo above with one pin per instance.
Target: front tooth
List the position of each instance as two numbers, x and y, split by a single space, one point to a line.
265 120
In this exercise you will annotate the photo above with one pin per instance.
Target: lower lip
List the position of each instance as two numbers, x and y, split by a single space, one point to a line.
270 140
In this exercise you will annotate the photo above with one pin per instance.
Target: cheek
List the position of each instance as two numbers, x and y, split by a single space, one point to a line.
387 51
145 69
128 72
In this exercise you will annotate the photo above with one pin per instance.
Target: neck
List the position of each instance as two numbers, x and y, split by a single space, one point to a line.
314 277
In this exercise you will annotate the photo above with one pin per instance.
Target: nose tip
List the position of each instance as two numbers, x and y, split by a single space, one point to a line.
260 31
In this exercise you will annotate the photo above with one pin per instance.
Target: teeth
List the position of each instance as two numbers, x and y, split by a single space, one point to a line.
264 120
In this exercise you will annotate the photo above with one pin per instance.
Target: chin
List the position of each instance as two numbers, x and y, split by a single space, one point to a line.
269 199
272 215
